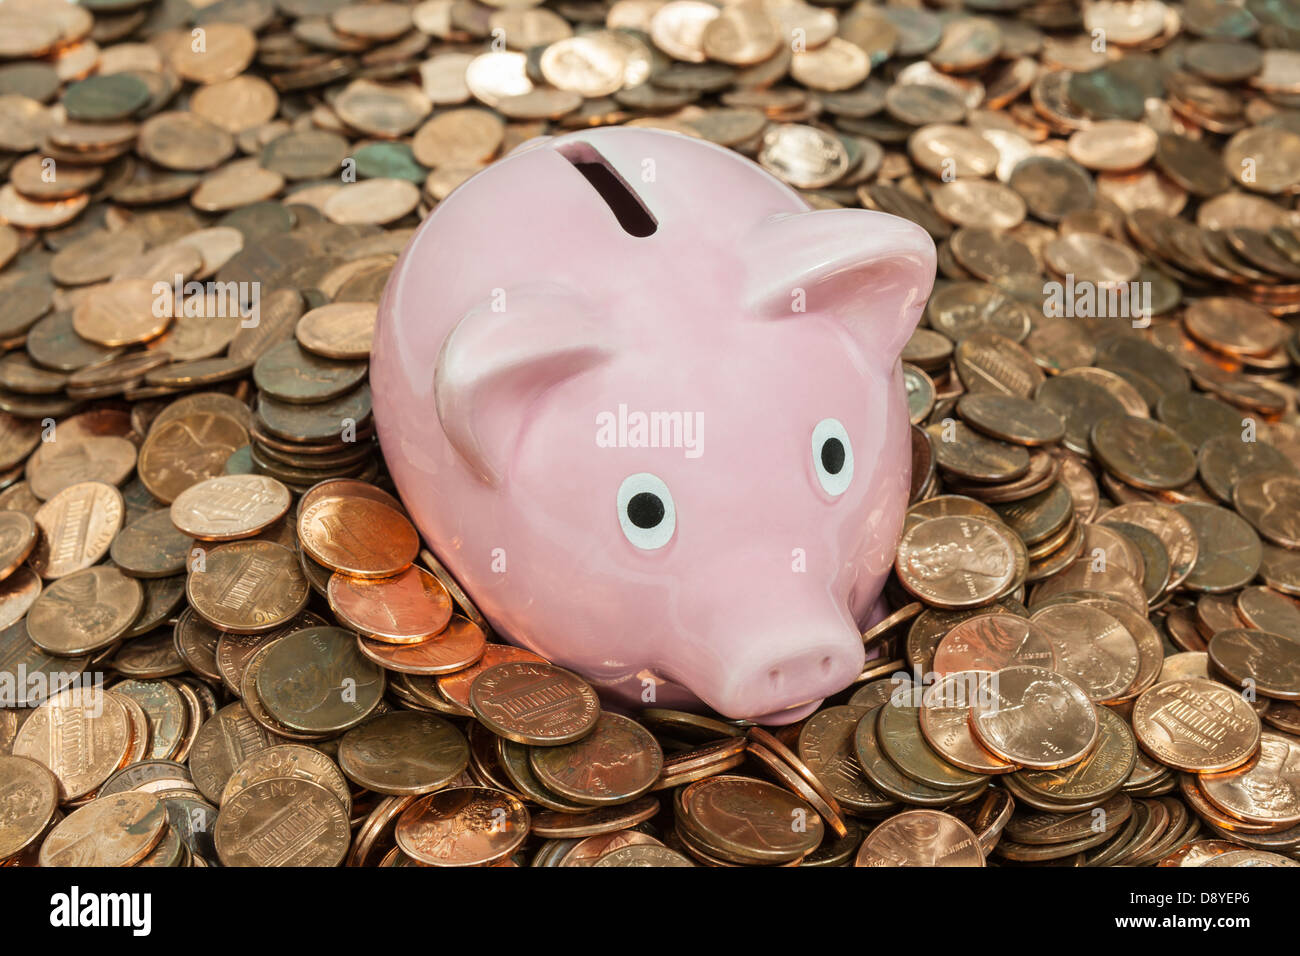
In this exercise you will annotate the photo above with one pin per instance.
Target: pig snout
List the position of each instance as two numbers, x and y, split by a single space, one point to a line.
778 675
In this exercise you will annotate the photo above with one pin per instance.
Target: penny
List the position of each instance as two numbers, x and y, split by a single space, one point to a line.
282 822
826 748
1268 500
77 527
463 826
920 838
1098 774
741 819
1229 550
407 608
403 753
1265 790
29 795
1197 725
1090 647
119 830
534 703
945 723
1035 717
899 736
290 374
1174 531
81 734
85 611
165 709
316 681
151 547
1266 662
1011 418
955 562
341 330
1142 452
186 450
247 586
228 507
614 763
357 536
990 642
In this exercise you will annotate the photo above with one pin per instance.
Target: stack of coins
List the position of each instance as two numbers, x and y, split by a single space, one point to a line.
217 626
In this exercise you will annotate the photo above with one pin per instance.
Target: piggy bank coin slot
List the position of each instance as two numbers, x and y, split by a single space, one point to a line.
626 206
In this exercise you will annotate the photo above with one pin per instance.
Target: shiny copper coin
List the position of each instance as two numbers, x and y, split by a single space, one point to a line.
457 646
408 608
990 642
1196 725
119 830
357 536
534 703
465 826
921 838
616 762
955 561
1035 717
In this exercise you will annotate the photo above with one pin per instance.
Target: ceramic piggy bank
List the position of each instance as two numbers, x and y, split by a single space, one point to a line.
648 408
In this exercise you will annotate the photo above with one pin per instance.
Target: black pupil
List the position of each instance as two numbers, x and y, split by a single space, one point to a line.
832 455
645 510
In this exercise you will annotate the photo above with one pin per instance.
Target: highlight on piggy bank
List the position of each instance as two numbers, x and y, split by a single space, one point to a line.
647 407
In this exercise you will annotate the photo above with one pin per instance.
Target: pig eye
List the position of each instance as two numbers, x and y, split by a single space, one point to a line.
832 456
645 511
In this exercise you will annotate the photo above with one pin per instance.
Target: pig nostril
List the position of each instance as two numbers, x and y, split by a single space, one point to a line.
826 666
774 678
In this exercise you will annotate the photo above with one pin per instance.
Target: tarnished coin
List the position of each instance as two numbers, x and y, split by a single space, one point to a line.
745 820
920 838
29 797
151 547
826 748
408 608
616 762
317 681
956 561
1196 725
228 507
357 536
534 703
224 742
1143 453
285 761
464 826
86 611
403 753
1270 501
898 733
1262 661
1011 418
972 456
282 822
119 830
77 528
247 586
81 734
1229 551
184 451
1036 718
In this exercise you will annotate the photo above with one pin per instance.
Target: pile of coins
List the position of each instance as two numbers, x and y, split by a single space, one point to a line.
221 643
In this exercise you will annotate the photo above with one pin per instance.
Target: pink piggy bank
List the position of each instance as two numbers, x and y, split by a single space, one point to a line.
648 408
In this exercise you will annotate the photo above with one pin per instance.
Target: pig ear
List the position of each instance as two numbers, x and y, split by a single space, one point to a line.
495 364
870 270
